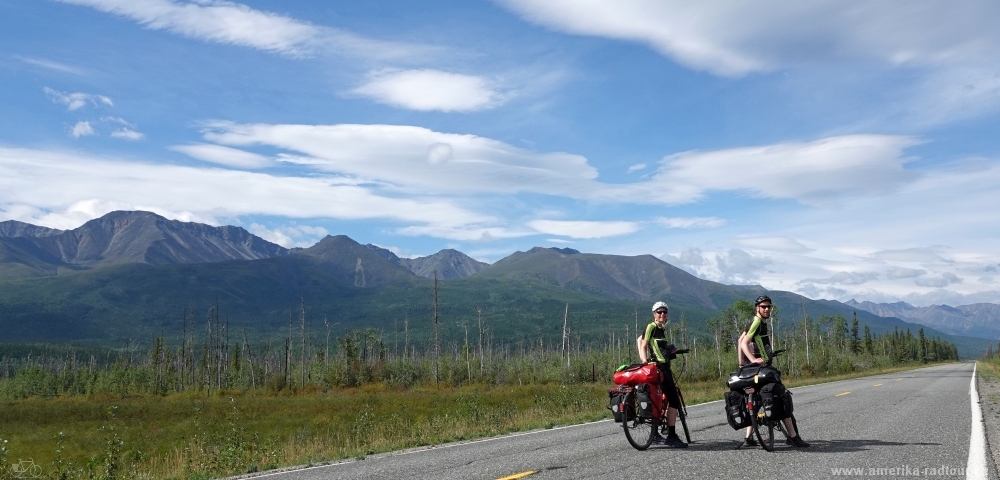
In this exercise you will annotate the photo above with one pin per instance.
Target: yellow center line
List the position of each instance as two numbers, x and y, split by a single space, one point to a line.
840 394
878 384
519 475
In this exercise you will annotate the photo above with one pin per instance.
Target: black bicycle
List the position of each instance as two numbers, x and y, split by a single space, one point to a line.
762 422
638 430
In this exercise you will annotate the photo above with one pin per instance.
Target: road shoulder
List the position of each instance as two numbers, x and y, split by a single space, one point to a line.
988 387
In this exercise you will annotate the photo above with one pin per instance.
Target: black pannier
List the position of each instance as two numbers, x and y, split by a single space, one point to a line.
617 406
753 375
643 402
777 401
736 410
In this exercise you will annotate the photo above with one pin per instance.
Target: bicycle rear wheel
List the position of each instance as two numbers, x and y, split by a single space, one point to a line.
638 431
762 427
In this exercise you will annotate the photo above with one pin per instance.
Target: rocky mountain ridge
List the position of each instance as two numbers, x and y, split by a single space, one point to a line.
977 320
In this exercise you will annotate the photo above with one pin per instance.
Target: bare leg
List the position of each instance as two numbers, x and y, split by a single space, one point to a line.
790 428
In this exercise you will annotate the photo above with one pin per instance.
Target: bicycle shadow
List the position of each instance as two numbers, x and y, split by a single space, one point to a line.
856 445
713 445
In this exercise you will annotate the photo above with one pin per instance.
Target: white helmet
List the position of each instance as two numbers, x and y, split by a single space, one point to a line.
659 305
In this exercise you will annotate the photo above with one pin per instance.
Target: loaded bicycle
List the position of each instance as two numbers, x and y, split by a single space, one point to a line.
639 405
757 399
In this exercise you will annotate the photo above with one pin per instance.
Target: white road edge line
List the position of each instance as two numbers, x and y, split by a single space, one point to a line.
976 467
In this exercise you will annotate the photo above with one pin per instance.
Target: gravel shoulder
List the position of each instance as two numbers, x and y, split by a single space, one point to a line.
988 387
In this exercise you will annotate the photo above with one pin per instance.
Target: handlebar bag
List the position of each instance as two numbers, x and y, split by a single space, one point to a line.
753 375
638 374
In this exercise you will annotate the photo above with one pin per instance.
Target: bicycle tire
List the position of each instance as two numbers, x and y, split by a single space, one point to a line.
638 431
682 415
763 428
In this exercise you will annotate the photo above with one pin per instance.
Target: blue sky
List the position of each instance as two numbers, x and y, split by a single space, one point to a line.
838 149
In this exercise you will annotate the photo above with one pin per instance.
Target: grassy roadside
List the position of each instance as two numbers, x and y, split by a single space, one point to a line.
194 436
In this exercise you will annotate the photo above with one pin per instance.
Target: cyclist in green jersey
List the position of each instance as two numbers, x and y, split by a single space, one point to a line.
755 344
650 350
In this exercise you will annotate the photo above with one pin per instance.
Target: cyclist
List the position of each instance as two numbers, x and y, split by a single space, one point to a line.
755 344
650 343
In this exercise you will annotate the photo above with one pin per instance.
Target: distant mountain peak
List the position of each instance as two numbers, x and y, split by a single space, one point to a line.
123 237
448 263
383 252
15 229
564 251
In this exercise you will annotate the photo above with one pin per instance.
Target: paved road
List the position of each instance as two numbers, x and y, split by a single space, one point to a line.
908 421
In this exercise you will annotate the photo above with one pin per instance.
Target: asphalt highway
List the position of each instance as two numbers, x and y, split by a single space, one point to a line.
909 424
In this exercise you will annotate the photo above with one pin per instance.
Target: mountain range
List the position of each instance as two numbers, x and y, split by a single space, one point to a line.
136 275
975 320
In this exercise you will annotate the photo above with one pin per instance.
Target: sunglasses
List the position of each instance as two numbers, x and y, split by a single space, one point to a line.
660 312
764 306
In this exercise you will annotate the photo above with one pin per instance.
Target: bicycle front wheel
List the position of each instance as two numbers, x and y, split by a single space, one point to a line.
638 431
762 427
682 416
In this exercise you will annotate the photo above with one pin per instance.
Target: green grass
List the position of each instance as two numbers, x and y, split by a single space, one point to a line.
195 436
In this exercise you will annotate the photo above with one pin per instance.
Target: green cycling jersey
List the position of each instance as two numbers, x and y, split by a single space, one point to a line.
760 338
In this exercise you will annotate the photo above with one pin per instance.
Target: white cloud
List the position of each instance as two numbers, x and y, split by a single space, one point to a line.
237 24
468 233
422 160
128 134
289 236
773 244
584 229
943 280
46 181
845 278
689 260
230 157
739 267
920 254
416 159
82 129
636 167
813 172
51 65
76 101
734 39
431 90
939 59
691 222
895 273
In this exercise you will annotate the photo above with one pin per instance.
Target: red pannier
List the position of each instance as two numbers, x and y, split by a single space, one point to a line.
638 375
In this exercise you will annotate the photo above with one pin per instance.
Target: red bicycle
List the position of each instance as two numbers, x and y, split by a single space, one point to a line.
641 407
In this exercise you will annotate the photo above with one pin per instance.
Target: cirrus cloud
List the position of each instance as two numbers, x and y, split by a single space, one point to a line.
584 229
691 222
40 182
237 24
734 39
77 100
419 159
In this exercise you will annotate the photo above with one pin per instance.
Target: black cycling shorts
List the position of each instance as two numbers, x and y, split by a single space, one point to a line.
668 386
